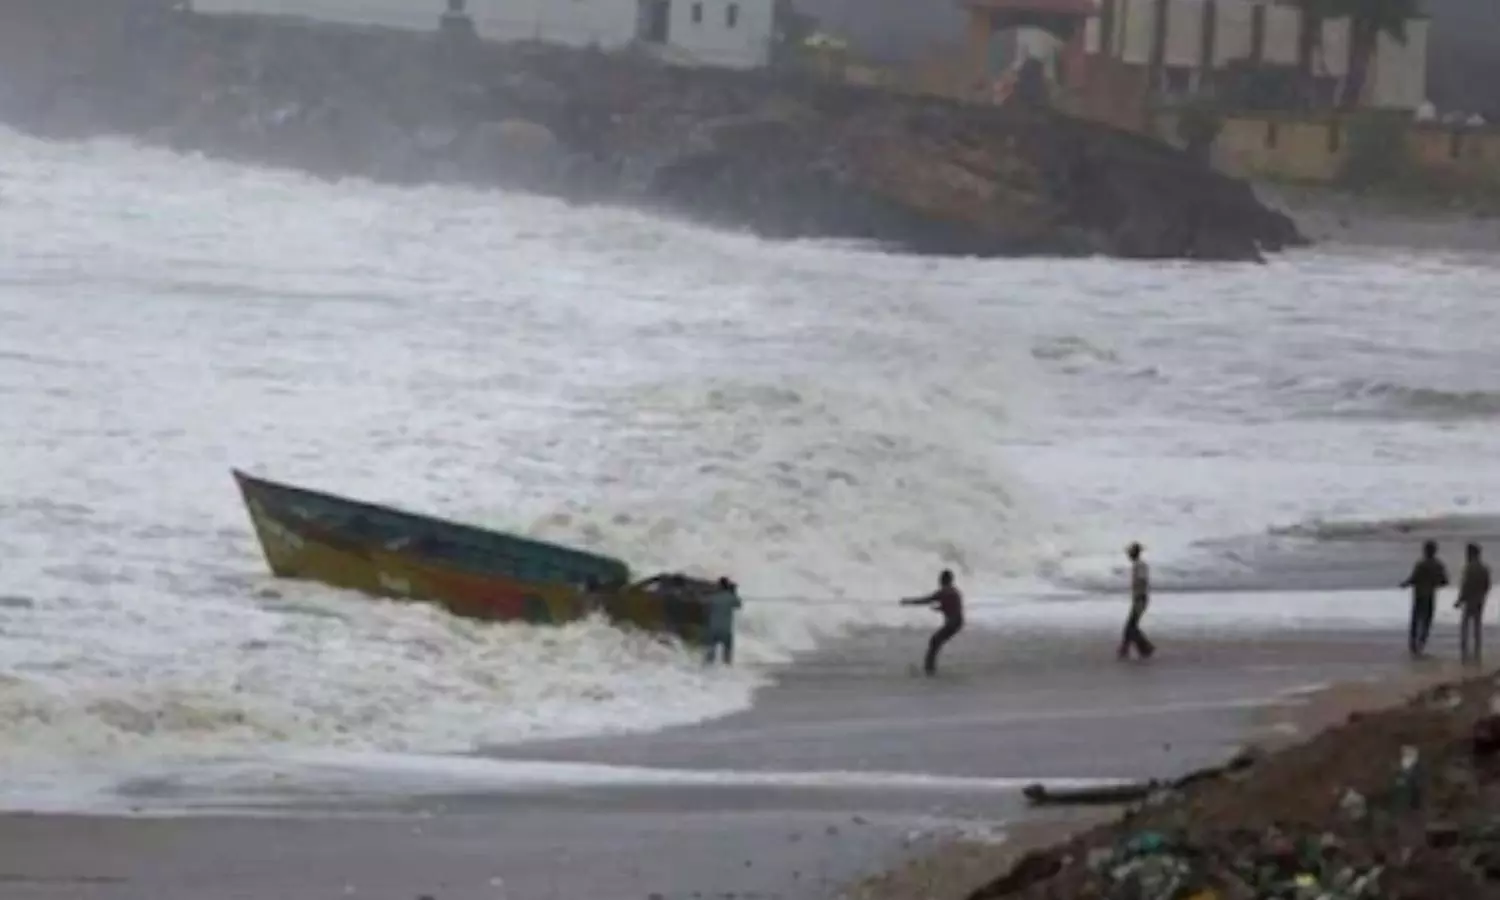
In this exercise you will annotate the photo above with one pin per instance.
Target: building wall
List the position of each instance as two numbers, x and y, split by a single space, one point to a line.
1232 34
1471 154
1184 39
1334 59
575 23
733 33
1283 25
1315 149
1110 91
1134 32
1283 147
1397 77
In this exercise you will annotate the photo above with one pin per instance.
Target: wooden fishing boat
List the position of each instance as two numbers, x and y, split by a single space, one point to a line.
469 571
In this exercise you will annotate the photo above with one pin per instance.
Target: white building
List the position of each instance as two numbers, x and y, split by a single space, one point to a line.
732 33
1200 36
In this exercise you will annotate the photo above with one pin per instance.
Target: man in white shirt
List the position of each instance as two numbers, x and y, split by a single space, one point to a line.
1140 598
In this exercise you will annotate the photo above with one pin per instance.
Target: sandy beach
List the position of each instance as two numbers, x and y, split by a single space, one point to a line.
847 766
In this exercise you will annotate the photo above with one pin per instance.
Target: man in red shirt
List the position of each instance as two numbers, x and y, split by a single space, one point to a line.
948 601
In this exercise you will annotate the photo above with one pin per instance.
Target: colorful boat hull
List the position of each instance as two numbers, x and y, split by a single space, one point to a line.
471 572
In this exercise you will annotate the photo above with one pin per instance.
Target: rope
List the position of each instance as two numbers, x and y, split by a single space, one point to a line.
893 601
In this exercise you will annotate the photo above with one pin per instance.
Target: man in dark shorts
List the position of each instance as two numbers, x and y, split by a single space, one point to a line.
948 601
1426 578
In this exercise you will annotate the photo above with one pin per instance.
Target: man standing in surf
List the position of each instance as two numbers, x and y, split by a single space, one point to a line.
1140 598
948 601
1426 578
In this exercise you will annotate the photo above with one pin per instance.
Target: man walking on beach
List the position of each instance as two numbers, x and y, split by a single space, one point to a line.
1426 578
722 604
1473 588
1140 598
950 603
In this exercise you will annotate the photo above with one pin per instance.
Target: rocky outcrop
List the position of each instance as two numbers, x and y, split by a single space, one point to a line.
783 156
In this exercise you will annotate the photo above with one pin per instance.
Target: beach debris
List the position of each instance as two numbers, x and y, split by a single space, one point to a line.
1408 786
1353 805
1150 792
1397 804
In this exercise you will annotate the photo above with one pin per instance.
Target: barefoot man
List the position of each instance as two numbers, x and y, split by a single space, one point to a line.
1140 598
950 603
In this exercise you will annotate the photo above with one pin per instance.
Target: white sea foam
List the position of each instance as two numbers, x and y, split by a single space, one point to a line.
827 424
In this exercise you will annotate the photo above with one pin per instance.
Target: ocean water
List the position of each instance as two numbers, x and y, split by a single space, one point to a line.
828 424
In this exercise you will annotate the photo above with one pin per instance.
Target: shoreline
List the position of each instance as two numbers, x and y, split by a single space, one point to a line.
794 800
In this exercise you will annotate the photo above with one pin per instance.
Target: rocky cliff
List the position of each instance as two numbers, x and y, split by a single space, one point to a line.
783 156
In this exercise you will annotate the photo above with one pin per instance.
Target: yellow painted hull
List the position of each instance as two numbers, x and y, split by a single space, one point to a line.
470 572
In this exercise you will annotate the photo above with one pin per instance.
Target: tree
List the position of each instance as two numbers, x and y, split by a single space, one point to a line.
790 31
1310 44
1368 20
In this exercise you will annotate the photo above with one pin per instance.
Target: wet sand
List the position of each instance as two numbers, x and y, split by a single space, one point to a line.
1014 706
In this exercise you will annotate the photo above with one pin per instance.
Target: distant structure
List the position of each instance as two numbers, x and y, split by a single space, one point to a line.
729 33
1115 57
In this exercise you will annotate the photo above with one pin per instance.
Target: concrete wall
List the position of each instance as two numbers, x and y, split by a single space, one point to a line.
1334 59
1134 31
1283 147
1184 38
1398 78
1283 25
1233 32
1472 154
1315 149
735 33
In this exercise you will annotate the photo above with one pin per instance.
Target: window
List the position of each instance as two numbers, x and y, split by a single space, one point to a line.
697 13
732 15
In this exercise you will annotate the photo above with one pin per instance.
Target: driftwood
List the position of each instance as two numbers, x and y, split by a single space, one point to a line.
1039 794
